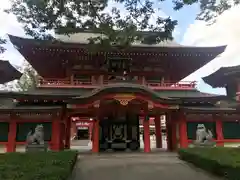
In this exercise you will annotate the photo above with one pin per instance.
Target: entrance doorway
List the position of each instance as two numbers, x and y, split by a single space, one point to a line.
82 133
119 132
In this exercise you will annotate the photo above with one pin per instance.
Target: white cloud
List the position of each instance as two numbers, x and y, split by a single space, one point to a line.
10 25
226 31
9 22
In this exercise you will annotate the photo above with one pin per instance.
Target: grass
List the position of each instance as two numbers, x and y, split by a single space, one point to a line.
224 162
37 166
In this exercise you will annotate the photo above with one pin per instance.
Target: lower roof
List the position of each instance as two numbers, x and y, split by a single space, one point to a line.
8 105
220 77
185 98
208 109
77 92
33 108
188 109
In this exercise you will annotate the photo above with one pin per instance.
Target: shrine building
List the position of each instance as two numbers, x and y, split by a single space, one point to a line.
117 94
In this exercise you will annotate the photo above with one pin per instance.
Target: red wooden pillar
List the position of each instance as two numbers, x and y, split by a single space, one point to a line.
174 135
174 131
158 132
73 127
95 143
183 139
146 132
90 129
68 133
56 135
169 132
219 132
62 135
11 146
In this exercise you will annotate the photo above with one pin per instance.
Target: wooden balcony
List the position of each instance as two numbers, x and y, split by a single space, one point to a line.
63 83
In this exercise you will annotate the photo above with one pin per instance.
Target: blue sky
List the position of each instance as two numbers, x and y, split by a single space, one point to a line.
188 32
184 17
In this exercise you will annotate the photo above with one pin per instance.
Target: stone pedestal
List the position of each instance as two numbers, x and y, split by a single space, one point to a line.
204 144
36 147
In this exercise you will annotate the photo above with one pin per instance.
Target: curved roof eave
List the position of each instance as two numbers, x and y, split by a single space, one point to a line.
19 41
119 88
216 79
125 88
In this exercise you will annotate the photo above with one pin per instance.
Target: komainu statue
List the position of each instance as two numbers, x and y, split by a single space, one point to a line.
35 140
37 137
204 137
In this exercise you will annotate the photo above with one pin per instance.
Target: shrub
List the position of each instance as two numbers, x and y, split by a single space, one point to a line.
220 161
37 166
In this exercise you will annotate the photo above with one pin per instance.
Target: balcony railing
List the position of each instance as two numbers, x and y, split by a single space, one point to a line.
89 85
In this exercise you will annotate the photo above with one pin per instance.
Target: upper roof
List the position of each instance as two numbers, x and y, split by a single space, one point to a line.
8 72
222 76
50 59
82 38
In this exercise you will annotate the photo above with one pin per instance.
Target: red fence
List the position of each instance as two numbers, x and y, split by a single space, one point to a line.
83 84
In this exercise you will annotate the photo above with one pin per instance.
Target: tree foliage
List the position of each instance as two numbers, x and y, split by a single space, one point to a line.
2 41
40 17
29 79
209 9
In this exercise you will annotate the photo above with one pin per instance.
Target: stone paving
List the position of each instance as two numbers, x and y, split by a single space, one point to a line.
136 166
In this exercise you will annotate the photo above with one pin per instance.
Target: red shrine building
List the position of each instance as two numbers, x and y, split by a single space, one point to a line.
114 93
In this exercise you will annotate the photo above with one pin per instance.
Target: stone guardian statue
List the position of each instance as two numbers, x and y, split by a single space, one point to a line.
35 140
204 137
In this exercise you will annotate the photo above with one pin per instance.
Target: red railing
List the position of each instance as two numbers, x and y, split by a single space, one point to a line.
167 85
83 84
65 83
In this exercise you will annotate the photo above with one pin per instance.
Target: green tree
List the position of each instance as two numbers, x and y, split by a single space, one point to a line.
29 79
39 17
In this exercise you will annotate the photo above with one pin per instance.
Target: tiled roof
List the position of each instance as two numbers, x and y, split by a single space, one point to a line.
220 77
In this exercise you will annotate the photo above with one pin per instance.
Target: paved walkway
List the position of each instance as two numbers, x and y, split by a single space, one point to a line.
136 166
